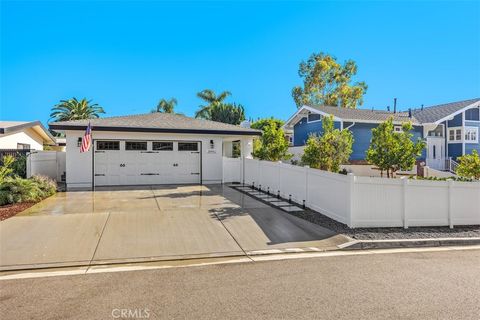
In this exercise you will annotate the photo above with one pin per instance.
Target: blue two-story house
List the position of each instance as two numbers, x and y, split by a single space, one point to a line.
450 130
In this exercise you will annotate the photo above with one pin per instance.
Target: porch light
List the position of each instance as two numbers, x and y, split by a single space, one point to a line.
79 142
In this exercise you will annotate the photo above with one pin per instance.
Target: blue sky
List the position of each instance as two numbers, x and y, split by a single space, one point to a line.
127 55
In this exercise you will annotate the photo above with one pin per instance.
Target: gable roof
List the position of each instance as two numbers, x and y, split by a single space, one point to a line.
155 122
433 114
10 127
347 114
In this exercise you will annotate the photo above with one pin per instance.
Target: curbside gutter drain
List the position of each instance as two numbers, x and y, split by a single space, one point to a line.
408 243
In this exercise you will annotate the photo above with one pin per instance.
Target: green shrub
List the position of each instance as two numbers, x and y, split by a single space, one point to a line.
47 186
16 190
6 169
469 165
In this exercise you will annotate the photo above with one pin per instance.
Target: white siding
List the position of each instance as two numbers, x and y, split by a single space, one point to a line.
28 136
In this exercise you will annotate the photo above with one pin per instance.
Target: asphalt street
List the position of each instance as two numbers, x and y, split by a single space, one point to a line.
420 285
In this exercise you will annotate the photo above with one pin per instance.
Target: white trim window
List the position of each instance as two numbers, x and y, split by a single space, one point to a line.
455 134
471 134
397 129
314 117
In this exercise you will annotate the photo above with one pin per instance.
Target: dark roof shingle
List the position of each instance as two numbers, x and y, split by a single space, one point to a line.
427 115
155 122
365 114
434 113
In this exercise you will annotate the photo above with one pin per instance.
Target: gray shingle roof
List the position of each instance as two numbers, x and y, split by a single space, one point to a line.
365 114
435 113
427 115
155 122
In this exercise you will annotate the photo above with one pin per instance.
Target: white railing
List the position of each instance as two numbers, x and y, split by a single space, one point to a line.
451 165
370 202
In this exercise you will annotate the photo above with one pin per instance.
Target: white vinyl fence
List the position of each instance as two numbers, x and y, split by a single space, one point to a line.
232 169
47 163
369 202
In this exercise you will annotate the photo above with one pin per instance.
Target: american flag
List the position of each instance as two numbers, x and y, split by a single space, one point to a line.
87 139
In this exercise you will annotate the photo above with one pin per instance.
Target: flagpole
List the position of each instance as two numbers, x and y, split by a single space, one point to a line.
93 159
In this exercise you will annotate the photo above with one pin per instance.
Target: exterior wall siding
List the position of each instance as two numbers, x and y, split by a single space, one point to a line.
303 129
454 150
28 136
362 134
456 122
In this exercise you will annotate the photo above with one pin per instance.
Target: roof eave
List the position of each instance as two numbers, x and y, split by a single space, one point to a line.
305 107
453 114
44 133
156 130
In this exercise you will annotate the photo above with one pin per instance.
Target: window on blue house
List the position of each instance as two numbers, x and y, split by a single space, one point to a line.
471 134
472 114
455 134
313 117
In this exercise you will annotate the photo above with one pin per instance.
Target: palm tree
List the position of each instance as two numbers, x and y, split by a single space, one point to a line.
73 109
165 106
212 99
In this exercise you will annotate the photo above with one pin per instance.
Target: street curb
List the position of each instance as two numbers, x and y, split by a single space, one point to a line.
408 243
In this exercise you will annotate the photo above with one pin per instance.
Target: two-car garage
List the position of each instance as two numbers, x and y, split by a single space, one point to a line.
151 149
133 162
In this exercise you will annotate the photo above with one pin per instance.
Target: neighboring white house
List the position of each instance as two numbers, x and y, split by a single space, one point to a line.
24 135
154 148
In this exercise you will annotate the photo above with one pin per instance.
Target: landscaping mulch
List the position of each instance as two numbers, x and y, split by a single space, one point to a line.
388 233
12 209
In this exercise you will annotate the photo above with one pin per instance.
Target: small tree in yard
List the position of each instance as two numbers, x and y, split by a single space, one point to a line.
392 151
469 165
330 150
272 145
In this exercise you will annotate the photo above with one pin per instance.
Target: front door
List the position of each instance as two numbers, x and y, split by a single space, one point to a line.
436 153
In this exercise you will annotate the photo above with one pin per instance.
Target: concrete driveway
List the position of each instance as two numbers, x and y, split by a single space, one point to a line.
152 223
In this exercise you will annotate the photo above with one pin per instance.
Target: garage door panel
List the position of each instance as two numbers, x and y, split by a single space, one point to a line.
136 167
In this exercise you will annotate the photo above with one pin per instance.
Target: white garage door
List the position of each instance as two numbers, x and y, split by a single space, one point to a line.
146 162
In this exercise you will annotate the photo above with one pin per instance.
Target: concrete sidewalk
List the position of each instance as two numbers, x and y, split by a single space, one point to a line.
150 224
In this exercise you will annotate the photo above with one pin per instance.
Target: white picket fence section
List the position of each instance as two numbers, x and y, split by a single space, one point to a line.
232 170
47 163
365 201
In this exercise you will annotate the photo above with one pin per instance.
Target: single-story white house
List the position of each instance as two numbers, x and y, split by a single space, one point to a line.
23 135
153 148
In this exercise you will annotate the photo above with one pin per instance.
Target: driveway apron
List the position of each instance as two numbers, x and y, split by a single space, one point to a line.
124 225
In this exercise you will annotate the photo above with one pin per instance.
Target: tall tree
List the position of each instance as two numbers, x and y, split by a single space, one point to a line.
327 82
212 99
329 150
272 145
166 106
73 109
392 151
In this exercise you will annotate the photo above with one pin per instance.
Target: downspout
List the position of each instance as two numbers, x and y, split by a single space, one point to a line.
353 123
